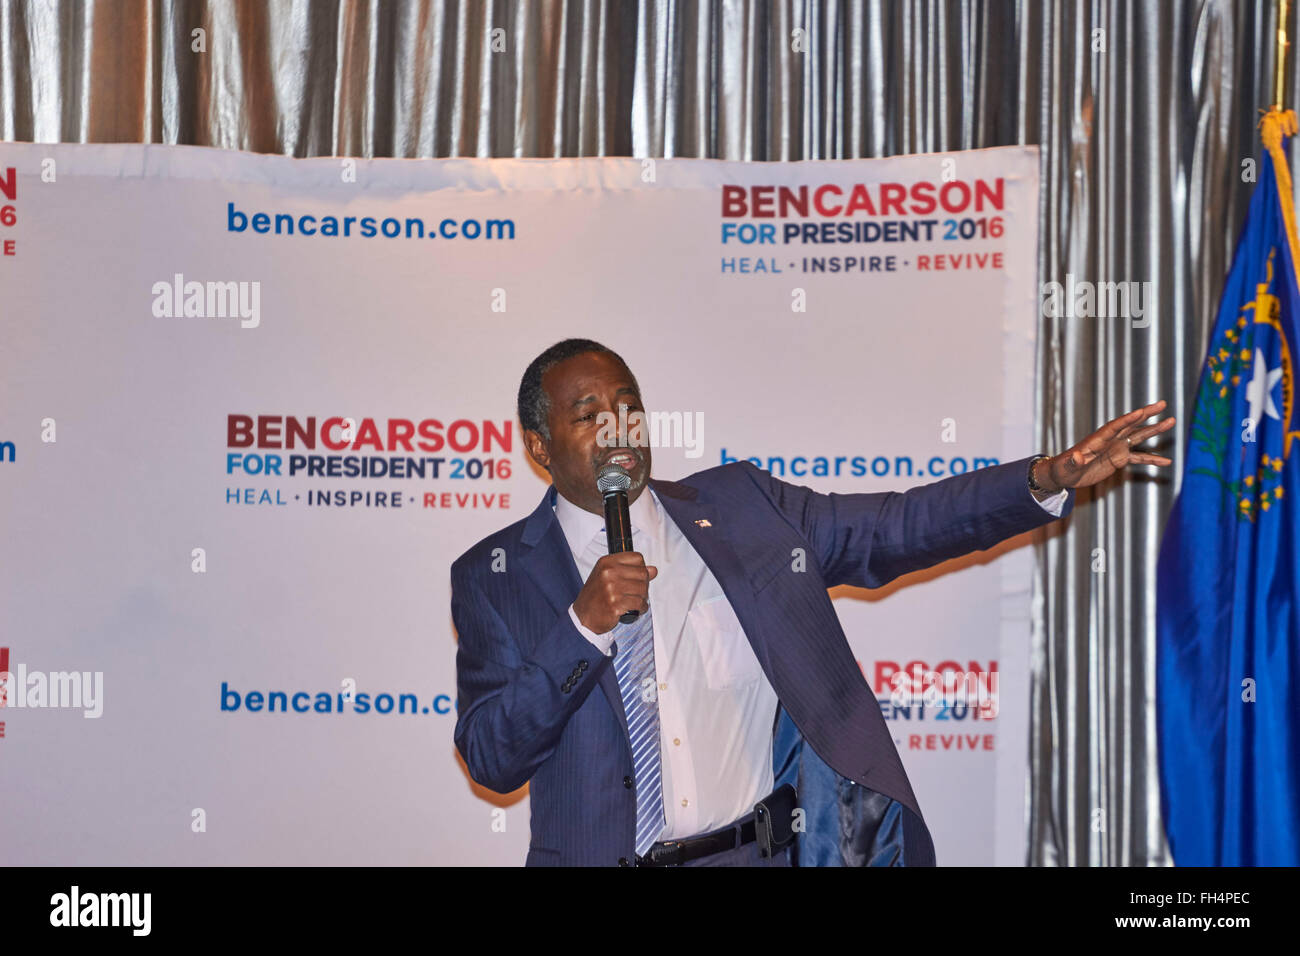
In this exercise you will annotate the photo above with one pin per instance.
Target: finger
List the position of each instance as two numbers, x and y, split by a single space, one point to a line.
635 602
1139 415
1142 459
618 588
1118 427
654 572
631 573
1076 459
630 584
1142 434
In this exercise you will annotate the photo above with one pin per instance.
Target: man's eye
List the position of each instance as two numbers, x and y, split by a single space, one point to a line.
587 417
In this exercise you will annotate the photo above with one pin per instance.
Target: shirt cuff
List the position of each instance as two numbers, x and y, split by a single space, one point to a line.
1054 504
602 642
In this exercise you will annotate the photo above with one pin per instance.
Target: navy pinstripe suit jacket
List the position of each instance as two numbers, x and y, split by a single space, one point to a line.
537 702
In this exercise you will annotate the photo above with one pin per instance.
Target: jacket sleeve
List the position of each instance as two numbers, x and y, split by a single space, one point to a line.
511 708
867 540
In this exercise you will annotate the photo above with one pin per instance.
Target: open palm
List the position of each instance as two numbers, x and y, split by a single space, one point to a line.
1110 448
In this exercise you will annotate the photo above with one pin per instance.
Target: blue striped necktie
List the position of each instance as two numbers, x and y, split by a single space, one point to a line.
634 665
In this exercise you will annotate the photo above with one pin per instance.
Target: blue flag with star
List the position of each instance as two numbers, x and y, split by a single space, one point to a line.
1228 621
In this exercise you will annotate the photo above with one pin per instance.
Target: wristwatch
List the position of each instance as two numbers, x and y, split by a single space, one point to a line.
1033 485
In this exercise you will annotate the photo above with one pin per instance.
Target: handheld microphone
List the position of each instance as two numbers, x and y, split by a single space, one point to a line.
613 482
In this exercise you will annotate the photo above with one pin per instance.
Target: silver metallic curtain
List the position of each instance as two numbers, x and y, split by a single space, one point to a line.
1144 111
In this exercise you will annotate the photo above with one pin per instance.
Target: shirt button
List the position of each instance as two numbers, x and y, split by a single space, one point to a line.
627 782
686 803
663 686
677 741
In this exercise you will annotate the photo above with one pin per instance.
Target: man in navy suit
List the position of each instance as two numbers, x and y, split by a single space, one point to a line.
728 725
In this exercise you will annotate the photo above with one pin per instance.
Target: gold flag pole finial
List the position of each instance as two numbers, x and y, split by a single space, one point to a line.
1275 125
1278 121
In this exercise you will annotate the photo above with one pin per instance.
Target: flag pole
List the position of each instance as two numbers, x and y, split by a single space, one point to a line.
1277 124
1279 73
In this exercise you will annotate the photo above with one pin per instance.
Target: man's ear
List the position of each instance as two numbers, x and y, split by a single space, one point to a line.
537 450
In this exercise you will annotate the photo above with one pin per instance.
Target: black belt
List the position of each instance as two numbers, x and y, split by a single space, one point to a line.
770 823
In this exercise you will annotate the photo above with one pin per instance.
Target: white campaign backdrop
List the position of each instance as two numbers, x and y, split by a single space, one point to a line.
101 524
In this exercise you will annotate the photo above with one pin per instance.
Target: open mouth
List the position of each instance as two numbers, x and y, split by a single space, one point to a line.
624 459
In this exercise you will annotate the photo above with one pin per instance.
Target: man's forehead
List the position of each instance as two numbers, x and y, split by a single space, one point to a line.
574 380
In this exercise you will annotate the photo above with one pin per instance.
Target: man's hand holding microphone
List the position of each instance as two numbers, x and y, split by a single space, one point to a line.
618 588
618 583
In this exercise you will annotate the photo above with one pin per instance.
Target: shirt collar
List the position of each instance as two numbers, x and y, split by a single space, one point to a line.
580 526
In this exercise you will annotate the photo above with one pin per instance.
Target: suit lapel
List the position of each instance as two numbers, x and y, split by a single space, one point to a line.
546 557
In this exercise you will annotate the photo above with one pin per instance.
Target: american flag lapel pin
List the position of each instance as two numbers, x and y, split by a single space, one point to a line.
703 522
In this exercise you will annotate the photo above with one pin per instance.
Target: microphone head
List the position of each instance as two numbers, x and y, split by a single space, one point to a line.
612 479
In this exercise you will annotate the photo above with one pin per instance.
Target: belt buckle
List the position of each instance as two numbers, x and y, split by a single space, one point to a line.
668 853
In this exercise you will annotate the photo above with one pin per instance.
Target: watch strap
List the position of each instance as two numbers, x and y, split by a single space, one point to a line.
1033 485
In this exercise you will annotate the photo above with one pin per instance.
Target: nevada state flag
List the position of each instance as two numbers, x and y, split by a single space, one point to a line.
1228 621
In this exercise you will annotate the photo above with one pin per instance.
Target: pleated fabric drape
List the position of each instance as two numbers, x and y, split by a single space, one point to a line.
1145 113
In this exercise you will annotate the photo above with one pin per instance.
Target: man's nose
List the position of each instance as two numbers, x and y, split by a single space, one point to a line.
622 425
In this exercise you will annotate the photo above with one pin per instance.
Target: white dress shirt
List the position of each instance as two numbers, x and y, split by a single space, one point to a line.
716 706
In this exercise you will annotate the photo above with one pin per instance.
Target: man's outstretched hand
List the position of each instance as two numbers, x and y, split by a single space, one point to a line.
1105 451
